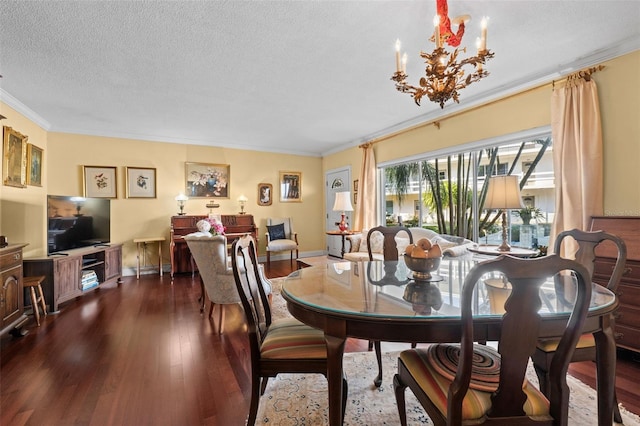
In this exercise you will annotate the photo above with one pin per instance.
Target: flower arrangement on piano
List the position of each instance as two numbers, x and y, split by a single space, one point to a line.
211 226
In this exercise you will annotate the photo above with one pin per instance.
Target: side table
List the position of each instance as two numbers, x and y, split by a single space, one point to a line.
343 234
142 243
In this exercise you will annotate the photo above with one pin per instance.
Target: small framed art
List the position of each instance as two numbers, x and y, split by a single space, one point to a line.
290 187
100 182
34 164
141 182
14 166
265 194
207 180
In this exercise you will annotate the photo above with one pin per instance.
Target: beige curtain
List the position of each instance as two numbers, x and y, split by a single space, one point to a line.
365 217
577 154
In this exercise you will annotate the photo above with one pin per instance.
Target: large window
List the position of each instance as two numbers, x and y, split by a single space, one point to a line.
445 191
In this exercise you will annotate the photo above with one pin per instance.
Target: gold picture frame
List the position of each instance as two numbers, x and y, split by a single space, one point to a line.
100 181
203 180
34 162
265 194
140 182
14 167
290 187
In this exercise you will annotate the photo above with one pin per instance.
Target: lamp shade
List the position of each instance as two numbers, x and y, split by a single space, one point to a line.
181 197
503 193
343 202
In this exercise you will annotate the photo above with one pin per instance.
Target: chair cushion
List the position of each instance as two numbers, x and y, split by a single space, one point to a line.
288 338
476 403
276 232
282 245
550 345
485 374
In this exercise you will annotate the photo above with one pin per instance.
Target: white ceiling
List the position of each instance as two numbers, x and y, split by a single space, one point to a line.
305 77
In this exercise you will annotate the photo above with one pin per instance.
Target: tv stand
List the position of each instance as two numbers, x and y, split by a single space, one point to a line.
63 271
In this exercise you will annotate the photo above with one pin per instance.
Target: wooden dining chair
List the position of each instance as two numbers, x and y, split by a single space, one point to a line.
277 346
586 348
390 252
467 383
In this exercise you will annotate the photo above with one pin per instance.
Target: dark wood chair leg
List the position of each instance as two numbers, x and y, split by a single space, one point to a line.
399 390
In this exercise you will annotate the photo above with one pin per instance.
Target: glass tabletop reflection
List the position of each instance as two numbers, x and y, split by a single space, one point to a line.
387 289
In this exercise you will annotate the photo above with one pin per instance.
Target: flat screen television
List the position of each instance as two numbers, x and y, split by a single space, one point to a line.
74 222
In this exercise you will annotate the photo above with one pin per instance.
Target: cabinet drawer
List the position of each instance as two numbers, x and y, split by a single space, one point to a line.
627 337
604 267
628 315
9 260
629 294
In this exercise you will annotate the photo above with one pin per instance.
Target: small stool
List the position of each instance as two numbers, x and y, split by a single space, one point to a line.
33 283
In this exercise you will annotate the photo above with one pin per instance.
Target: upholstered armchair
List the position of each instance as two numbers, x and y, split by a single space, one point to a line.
281 237
216 275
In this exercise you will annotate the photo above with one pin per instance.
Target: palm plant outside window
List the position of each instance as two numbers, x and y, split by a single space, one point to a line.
450 191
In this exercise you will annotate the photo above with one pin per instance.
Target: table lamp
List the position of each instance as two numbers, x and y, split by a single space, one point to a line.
181 199
503 194
343 204
242 200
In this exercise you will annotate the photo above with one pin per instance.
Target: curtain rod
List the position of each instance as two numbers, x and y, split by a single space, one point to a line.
585 73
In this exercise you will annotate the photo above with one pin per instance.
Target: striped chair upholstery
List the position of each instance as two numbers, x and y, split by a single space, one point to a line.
476 402
289 338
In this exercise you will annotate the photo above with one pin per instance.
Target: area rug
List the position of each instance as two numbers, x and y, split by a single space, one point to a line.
301 400
298 399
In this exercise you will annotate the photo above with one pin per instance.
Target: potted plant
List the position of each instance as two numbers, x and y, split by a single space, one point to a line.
527 213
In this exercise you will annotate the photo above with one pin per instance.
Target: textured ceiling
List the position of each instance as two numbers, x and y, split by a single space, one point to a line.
307 77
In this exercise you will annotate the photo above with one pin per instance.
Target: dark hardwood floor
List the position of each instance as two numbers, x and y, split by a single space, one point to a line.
141 353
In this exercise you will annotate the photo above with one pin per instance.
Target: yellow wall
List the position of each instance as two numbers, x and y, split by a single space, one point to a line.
133 218
619 93
23 210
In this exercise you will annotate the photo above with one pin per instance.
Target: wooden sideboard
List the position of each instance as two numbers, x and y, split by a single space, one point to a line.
627 317
236 225
12 316
64 271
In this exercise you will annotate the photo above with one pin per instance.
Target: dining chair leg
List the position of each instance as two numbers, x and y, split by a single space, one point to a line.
263 385
255 399
399 390
221 319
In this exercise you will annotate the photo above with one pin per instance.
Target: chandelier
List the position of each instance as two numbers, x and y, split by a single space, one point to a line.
445 74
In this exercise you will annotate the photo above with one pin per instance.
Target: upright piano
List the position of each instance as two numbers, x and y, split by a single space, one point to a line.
236 226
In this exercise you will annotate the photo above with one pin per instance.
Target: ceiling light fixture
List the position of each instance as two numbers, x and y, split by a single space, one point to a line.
445 76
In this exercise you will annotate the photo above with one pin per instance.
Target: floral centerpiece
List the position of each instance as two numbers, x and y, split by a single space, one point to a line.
211 226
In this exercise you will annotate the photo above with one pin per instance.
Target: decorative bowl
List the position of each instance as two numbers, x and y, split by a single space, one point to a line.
422 267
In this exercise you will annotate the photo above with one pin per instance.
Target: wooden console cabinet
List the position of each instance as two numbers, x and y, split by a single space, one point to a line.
236 225
627 323
12 316
63 271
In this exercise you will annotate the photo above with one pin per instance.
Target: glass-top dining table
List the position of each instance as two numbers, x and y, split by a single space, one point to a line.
380 300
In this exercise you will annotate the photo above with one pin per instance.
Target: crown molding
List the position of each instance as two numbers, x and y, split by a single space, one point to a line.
24 110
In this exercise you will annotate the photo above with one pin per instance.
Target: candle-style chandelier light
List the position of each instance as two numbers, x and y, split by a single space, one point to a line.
445 75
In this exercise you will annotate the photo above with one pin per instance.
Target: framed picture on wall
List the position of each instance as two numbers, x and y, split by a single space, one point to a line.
100 182
141 182
290 187
207 180
14 166
355 191
265 194
34 163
